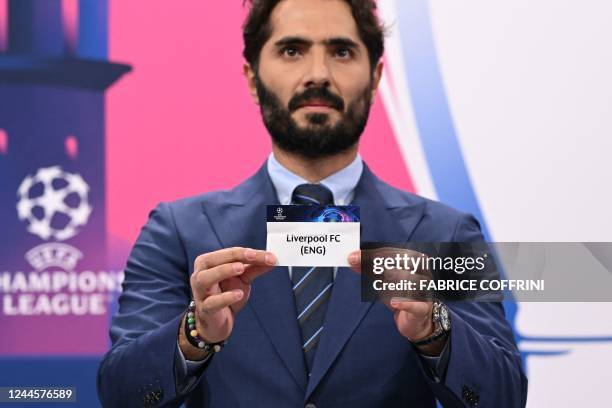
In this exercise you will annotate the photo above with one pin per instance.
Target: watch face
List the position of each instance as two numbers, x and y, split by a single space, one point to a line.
444 318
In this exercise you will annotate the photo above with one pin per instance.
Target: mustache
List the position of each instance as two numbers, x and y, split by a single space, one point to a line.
316 94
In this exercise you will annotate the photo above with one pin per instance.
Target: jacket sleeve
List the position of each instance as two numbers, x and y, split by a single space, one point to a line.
484 367
139 369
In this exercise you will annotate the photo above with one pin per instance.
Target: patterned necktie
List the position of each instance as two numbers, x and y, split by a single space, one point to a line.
312 286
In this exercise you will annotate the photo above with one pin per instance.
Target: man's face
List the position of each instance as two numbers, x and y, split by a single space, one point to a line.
314 82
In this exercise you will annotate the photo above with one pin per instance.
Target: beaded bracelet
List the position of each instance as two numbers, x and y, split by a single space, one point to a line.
192 334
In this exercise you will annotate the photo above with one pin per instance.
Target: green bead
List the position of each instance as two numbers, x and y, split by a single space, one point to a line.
190 320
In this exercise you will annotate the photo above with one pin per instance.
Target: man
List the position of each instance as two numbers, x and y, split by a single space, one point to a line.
313 66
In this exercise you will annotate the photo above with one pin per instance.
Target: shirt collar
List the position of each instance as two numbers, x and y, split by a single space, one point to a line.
342 183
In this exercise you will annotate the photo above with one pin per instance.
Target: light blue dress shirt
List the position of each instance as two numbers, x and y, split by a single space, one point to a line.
342 183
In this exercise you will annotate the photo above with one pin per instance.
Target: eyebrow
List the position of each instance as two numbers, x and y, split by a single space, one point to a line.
334 41
294 40
341 41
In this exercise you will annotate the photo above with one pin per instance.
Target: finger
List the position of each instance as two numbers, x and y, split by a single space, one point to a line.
251 272
354 260
203 280
217 302
413 307
235 283
235 254
394 303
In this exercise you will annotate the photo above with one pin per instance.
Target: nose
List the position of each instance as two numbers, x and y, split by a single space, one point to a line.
318 74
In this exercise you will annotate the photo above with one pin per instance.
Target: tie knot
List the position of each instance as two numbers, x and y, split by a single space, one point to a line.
312 194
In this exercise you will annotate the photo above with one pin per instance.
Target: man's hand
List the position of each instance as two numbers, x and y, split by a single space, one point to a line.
413 318
221 285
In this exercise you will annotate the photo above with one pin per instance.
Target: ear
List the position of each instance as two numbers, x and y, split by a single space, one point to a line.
376 79
249 74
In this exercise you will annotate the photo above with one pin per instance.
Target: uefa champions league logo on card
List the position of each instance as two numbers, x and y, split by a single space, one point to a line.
279 214
54 203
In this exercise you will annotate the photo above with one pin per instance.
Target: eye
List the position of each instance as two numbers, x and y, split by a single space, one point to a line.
343 53
290 51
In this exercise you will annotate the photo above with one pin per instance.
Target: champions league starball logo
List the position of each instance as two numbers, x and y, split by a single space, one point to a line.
55 206
54 203
279 214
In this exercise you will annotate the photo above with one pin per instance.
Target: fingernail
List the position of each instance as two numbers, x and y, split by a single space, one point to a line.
238 267
270 259
250 254
238 294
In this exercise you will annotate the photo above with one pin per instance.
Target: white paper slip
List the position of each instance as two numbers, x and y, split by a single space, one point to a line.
310 235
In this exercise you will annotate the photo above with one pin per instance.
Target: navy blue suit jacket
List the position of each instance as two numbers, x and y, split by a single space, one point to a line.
361 360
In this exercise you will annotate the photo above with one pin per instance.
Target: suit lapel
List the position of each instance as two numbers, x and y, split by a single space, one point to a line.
383 218
240 220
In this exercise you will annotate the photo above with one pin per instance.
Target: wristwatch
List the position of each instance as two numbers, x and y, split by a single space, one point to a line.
442 324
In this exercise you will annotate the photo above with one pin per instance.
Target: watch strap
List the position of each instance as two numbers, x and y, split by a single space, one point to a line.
430 339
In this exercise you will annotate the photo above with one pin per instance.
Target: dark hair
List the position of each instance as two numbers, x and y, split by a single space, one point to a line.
256 29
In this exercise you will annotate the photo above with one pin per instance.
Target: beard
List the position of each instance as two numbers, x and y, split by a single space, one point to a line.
318 138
